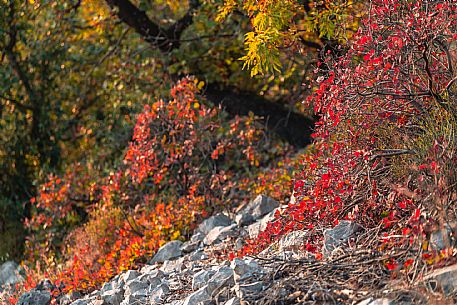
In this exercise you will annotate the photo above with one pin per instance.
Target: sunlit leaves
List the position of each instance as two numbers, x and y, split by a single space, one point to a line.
278 23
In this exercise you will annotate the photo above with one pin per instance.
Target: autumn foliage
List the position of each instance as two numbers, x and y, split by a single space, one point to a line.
384 155
185 161
385 149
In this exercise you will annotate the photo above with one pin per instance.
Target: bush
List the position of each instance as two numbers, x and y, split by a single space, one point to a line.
185 161
385 142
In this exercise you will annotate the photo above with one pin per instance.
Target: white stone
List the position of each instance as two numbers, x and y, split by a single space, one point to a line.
201 278
112 297
219 220
35 297
222 278
262 205
199 296
233 301
9 273
218 234
445 279
170 250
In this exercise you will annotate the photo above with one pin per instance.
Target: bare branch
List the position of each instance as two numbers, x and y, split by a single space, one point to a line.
165 40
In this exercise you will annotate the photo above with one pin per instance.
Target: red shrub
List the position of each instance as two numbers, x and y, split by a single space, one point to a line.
387 109
185 160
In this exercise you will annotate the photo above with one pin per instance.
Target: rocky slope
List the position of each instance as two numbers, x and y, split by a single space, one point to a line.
198 271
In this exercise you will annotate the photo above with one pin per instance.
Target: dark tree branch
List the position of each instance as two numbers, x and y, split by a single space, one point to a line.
165 40
19 105
295 128
310 44
11 56
175 31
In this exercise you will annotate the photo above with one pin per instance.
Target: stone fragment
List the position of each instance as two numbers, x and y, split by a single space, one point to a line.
233 301
135 286
253 229
244 291
198 297
158 294
222 278
129 275
198 256
444 238
169 251
340 234
80 302
112 297
153 278
244 218
372 301
293 240
148 268
219 220
218 234
262 205
10 273
444 280
134 299
197 237
244 269
176 265
257 227
201 278
189 246
35 297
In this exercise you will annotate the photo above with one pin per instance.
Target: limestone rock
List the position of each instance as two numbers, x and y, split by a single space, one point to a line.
134 299
169 251
338 235
148 268
198 297
262 205
222 278
233 301
197 237
292 240
201 278
129 275
153 278
81 302
444 279
190 246
244 218
257 227
35 297
219 220
112 297
198 256
248 290
176 265
135 286
218 234
158 293
9 273
244 269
